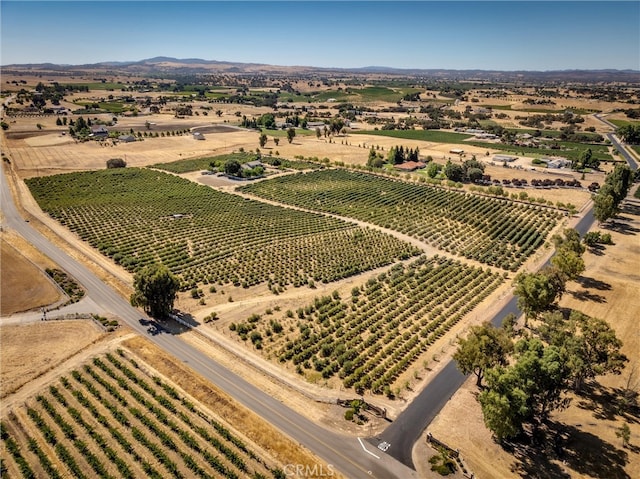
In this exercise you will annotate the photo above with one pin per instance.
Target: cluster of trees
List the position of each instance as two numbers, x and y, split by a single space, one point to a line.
267 121
412 96
255 98
116 163
263 139
632 113
376 159
296 121
333 127
80 127
398 155
470 170
594 238
233 167
629 134
586 160
155 290
264 121
538 121
527 375
528 372
607 201
53 93
537 292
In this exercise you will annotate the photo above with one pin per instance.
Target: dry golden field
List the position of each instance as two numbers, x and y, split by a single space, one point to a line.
607 289
51 344
23 285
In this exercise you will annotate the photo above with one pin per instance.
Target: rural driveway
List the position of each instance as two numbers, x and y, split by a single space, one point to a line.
82 308
351 456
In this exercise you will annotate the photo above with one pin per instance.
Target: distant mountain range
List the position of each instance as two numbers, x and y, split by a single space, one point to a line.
190 66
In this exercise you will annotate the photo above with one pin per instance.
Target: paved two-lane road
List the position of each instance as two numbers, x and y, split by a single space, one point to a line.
346 454
407 428
617 143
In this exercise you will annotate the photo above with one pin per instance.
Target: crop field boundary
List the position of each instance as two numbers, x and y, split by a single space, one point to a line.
421 211
112 418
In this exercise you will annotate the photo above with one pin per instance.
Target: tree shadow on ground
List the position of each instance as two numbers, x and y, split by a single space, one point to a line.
622 228
558 447
587 282
186 323
596 250
607 403
190 320
168 325
631 207
585 295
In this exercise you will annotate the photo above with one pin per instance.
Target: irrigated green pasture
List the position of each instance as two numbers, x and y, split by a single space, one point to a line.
567 149
620 123
423 135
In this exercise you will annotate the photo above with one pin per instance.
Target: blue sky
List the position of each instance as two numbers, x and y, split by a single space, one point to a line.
503 35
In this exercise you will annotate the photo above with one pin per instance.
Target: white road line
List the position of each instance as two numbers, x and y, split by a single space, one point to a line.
366 450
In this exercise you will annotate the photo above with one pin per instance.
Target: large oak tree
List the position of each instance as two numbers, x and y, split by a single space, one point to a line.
155 290
485 347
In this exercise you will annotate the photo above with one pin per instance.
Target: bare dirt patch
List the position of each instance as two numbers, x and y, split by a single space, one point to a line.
49 344
52 139
23 283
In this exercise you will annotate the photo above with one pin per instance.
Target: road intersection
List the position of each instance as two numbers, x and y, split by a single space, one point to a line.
344 453
386 456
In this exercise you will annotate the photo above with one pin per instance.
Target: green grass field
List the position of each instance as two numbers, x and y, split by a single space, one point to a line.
216 95
542 110
108 106
358 95
567 149
497 107
327 95
620 123
286 96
